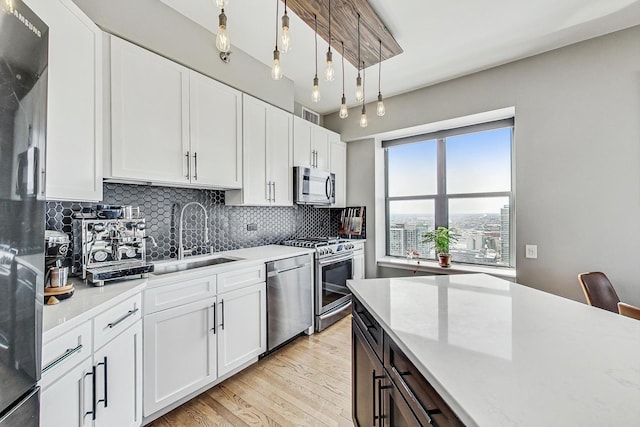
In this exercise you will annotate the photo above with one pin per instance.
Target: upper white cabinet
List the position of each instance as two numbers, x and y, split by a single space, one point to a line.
216 132
170 124
267 157
311 144
74 102
339 168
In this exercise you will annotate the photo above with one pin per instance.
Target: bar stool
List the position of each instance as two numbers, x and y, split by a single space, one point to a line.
599 291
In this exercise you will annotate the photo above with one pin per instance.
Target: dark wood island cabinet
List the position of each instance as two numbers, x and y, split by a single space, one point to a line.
388 390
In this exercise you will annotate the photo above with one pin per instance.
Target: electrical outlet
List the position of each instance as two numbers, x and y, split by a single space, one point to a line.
531 251
252 227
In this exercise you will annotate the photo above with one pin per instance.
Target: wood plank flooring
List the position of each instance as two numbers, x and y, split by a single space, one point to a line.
307 383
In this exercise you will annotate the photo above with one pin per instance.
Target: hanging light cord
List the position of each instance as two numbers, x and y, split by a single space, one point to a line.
342 68
358 43
315 17
277 10
379 66
364 81
329 25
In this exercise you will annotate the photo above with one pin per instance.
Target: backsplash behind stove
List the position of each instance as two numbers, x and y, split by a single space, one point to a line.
227 224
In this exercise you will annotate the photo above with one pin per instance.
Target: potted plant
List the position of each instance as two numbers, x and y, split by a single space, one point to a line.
441 238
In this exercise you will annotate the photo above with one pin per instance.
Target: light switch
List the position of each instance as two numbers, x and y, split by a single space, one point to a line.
531 251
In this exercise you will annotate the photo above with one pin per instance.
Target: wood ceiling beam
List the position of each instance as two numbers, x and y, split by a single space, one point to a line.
344 27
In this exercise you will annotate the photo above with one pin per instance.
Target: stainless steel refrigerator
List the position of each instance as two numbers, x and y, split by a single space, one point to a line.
23 106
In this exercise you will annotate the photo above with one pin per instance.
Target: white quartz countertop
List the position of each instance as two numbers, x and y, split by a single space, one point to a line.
89 300
86 302
503 354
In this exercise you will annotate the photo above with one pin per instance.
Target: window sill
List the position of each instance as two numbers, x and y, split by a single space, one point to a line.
456 268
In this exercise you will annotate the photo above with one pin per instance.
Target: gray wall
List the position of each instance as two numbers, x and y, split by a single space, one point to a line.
577 154
157 27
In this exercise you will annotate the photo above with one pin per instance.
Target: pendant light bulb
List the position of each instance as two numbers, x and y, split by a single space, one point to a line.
344 111
286 37
380 111
9 7
359 93
315 93
329 73
221 3
276 70
363 118
222 39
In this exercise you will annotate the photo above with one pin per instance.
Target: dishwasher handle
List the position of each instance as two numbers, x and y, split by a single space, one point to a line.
277 272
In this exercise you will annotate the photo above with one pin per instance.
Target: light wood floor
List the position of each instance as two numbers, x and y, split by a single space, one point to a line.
307 383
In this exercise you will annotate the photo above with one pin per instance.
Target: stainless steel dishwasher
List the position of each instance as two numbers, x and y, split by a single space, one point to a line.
289 298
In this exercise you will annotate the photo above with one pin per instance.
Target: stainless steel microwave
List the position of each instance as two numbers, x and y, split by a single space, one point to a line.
313 186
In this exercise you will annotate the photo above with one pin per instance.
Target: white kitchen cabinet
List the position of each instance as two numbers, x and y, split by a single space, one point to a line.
118 377
311 144
179 353
74 102
99 384
339 168
242 332
358 260
215 115
267 156
68 400
171 125
149 110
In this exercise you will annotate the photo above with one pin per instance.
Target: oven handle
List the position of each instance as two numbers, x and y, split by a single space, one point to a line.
340 309
327 261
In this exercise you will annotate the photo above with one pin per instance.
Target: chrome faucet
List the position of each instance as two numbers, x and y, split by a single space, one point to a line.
181 250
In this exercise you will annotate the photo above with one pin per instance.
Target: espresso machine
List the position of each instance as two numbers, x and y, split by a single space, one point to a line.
113 249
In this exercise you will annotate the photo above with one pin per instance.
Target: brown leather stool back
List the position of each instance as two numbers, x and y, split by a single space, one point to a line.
599 291
629 310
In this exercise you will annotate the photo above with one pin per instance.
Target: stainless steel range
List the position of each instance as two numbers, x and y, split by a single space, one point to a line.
333 267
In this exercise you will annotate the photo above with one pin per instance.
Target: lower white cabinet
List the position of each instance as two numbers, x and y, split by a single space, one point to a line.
358 261
68 400
242 334
190 344
118 376
90 386
180 353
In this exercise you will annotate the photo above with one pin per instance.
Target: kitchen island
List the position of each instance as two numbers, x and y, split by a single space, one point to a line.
499 353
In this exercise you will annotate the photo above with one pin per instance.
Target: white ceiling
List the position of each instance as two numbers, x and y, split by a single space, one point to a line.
441 39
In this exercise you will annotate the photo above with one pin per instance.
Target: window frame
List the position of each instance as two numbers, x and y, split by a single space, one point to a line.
441 198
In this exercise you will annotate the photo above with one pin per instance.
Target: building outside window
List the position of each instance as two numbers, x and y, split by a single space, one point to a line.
458 178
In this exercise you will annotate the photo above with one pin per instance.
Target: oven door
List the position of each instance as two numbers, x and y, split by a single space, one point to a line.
332 275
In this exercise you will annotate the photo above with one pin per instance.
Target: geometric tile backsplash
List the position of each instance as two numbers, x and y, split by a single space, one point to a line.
227 225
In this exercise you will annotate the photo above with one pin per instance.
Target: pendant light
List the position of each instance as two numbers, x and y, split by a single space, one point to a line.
276 70
344 111
329 73
9 7
380 110
286 37
315 93
363 118
222 39
359 93
221 3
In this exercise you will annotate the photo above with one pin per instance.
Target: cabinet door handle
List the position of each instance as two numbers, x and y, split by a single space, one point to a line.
106 387
64 356
195 165
93 395
188 156
123 318
222 308
215 319
407 389
274 190
269 191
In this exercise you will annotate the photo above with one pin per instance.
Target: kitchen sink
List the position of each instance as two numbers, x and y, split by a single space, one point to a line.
184 265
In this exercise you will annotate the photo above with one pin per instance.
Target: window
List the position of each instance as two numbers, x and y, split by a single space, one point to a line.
457 178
